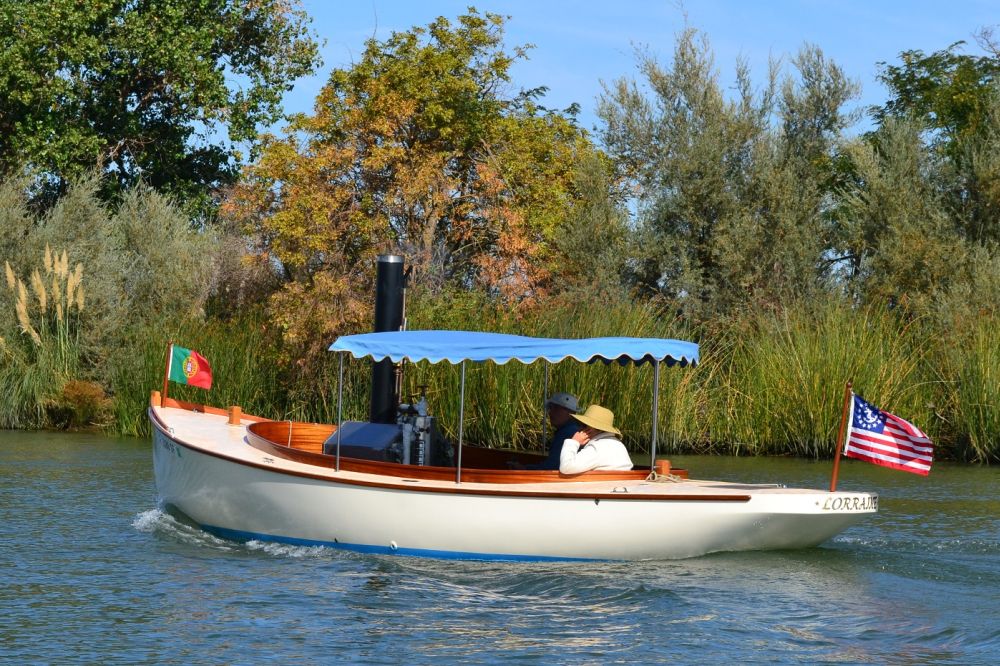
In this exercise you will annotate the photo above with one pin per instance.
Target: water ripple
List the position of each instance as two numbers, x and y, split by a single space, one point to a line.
95 577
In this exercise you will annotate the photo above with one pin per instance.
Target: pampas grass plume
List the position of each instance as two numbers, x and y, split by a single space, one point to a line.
39 288
72 283
22 294
22 313
56 290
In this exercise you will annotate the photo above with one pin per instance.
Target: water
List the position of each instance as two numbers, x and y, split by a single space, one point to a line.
94 573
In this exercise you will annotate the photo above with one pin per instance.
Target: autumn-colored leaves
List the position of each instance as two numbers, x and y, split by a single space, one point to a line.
418 148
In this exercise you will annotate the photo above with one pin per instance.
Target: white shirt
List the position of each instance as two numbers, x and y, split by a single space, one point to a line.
603 451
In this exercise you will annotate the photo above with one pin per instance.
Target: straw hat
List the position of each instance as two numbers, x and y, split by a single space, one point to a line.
598 417
565 400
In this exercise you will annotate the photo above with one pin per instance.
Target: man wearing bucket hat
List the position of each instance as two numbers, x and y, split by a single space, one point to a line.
560 407
596 446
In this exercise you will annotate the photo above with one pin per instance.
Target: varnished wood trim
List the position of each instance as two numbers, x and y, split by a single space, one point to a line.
268 437
459 489
206 409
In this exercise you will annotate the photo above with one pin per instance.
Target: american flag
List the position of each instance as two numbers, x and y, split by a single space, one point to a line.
887 440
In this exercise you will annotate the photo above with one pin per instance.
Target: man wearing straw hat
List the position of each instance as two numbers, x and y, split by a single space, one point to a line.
596 446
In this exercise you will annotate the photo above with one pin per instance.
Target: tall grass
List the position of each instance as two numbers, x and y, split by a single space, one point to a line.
241 353
778 380
968 367
26 385
767 384
770 384
40 346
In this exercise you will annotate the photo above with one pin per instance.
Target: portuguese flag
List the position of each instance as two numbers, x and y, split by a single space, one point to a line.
189 367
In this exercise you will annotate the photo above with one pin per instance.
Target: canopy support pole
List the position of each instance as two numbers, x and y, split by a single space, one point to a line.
461 421
545 406
656 421
340 406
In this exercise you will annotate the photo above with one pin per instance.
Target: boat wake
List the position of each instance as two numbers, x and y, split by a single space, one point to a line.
964 545
165 525
287 550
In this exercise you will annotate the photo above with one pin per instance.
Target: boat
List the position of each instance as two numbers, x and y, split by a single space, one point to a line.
396 486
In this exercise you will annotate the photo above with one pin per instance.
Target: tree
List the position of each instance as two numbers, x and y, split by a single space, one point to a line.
418 148
732 191
594 240
948 91
954 98
160 91
898 235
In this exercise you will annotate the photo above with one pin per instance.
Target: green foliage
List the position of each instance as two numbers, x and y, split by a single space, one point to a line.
242 355
416 148
971 179
732 193
28 380
169 267
145 90
947 91
951 101
145 264
969 367
81 285
593 239
16 220
896 230
780 377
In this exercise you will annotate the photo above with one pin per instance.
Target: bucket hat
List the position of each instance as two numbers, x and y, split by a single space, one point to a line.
598 417
565 400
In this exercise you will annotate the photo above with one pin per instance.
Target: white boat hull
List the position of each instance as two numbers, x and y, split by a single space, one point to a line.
206 470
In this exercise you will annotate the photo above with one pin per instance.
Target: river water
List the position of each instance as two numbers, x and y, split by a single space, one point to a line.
94 573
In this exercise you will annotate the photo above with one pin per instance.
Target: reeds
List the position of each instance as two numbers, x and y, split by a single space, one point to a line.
241 353
46 352
968 370
768 383
780 380
65 290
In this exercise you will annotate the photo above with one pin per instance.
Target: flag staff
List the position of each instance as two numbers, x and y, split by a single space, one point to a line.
166 370
840 436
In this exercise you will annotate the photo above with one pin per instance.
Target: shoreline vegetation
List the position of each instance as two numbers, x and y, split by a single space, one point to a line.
748 219
768 384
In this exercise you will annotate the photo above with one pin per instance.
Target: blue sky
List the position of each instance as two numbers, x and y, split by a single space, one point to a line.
579 44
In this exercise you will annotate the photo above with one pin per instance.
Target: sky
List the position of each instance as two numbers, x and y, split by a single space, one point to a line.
578 45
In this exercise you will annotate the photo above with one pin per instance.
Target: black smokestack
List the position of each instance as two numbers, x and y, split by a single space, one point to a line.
389 285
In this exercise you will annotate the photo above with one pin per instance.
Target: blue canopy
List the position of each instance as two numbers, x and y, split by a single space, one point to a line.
457 346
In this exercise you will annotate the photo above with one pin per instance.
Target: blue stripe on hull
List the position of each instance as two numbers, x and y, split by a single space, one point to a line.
238 535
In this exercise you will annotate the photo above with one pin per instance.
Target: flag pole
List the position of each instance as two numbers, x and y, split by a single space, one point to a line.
840 436
166 370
